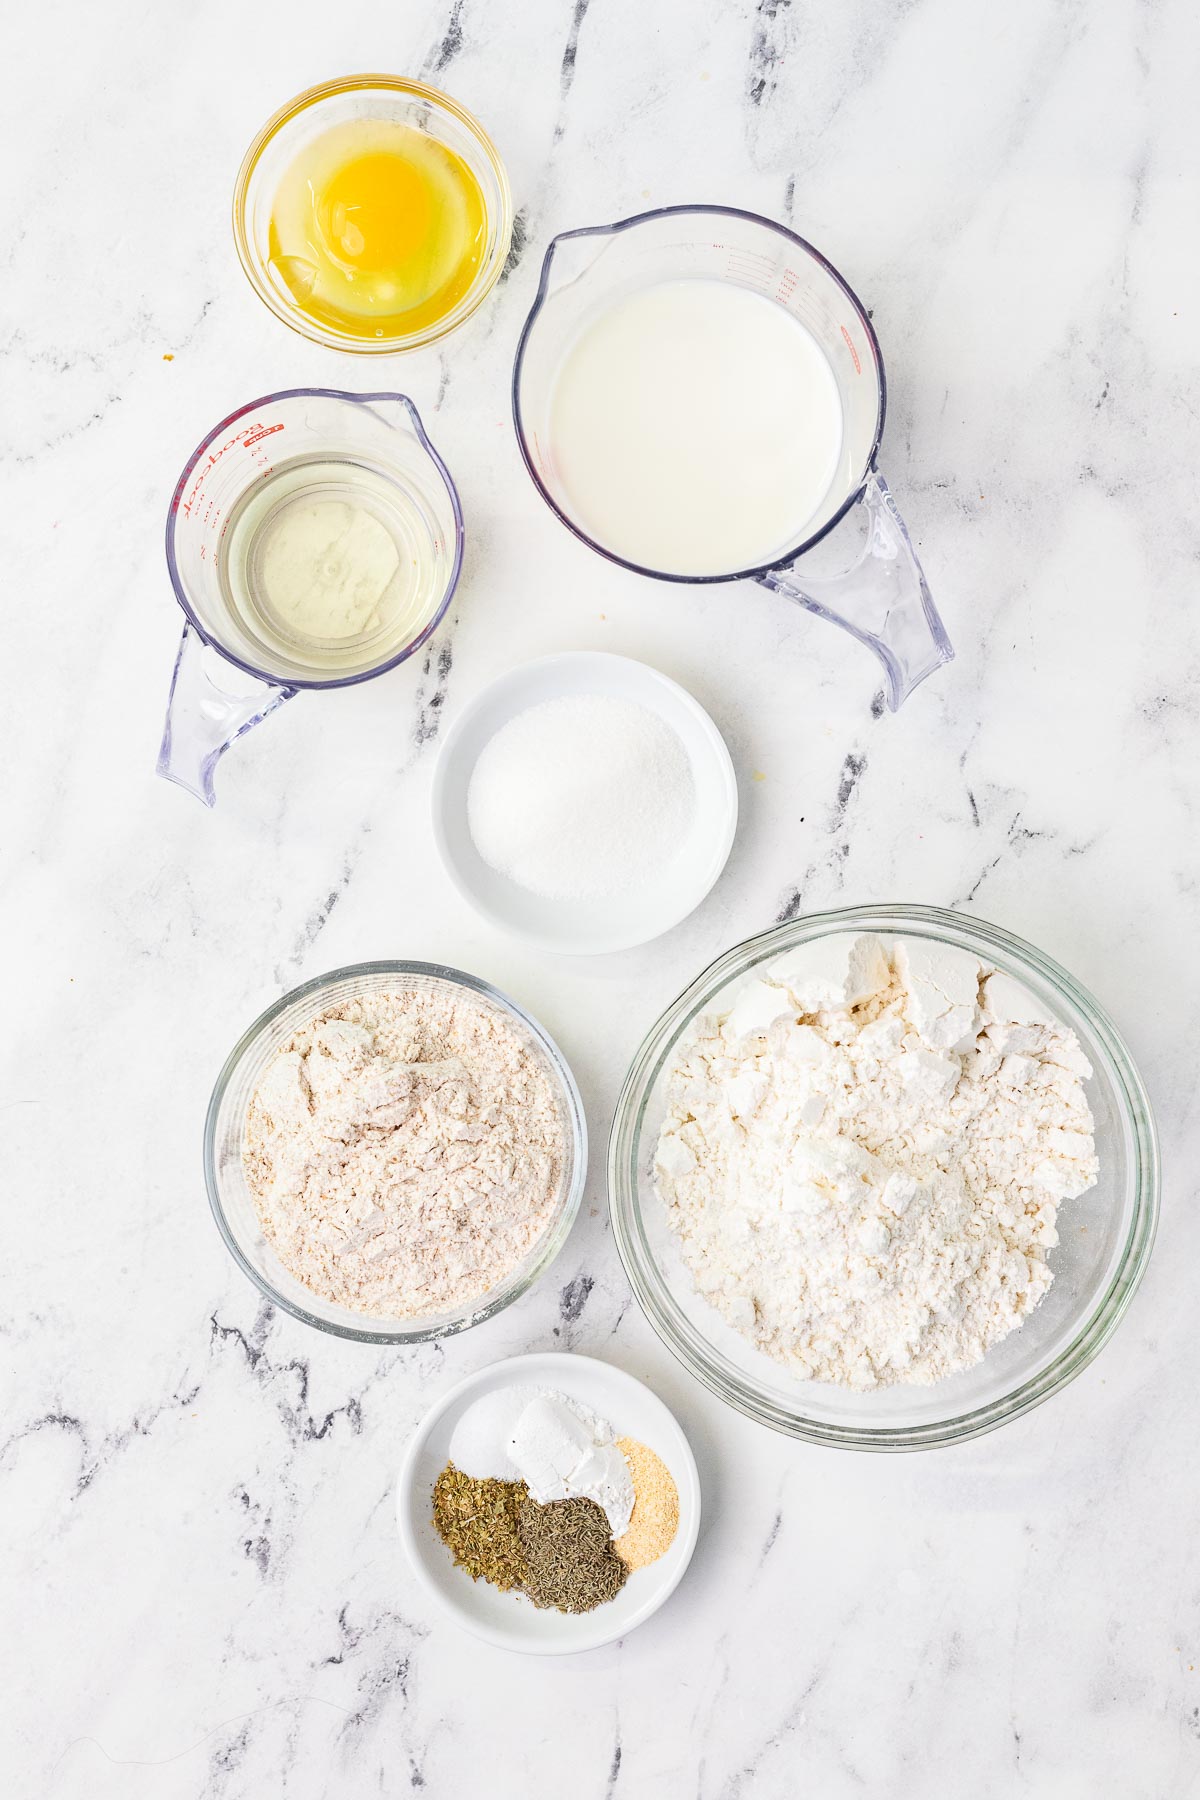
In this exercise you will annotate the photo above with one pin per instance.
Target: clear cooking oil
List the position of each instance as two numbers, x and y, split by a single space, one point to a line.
329 568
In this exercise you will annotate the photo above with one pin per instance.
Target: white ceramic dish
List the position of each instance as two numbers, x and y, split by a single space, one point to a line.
509 1620
576 927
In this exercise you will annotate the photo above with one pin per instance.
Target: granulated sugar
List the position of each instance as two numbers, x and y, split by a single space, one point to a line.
575 799
404 1152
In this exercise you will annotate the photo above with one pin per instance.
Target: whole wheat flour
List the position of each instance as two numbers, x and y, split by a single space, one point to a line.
864 1156
404 1152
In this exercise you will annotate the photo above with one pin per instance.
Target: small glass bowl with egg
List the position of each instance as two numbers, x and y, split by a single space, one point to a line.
372 214
1105 1237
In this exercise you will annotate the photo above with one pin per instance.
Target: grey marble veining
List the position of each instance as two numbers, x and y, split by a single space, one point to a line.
203 1593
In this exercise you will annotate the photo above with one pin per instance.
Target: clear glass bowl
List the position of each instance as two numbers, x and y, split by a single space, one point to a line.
365 97
224 1133
1105 1236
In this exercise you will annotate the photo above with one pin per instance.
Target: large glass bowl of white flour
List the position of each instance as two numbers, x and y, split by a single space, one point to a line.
884 1178
395 1151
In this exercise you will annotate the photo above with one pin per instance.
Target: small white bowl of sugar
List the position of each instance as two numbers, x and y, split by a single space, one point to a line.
585 802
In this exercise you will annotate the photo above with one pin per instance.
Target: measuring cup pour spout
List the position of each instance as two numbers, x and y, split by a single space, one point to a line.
204 716
882 598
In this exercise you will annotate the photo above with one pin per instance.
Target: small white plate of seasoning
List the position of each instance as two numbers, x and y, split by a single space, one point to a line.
509 1620
667 888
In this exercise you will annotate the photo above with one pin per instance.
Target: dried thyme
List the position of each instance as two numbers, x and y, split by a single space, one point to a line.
570 1561
477 1522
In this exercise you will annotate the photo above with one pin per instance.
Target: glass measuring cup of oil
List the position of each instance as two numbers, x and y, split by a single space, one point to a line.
372 214
314 540
700 396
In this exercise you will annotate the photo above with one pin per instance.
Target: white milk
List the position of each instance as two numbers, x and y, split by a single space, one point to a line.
695 427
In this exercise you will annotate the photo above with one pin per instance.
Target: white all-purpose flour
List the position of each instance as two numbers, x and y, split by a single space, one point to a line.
864 1157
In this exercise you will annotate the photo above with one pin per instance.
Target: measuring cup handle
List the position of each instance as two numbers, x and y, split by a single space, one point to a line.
204 718
882 598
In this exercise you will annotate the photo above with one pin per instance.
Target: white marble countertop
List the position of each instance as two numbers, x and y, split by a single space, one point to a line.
203 1592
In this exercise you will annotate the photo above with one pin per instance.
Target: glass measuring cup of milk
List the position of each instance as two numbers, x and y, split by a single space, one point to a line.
276 481
700 397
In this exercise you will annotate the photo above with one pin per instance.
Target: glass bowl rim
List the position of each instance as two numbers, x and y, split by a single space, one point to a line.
1103 1315
441 1325
316 96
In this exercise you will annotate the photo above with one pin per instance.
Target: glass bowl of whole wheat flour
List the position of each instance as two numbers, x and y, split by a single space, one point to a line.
910 1254
394 1152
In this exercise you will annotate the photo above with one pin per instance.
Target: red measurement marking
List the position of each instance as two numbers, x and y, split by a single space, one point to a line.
214 458
259 431
852 350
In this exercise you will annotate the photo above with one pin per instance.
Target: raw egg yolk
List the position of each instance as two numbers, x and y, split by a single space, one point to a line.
376 212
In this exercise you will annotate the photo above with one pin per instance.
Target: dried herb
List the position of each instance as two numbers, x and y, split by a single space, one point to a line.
570 1561
477 1522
